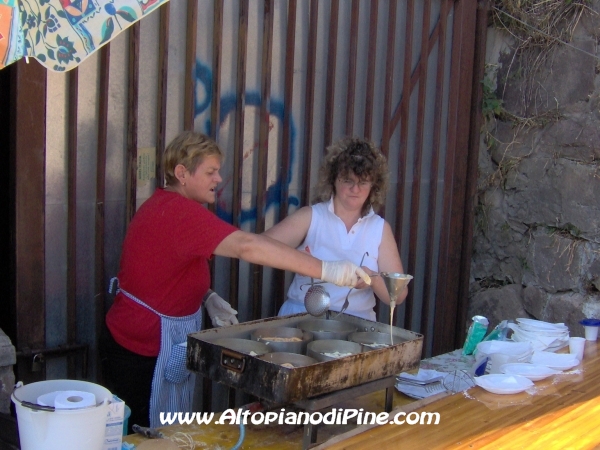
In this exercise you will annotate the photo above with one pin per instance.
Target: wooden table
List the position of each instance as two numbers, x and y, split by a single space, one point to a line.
563 413
276 437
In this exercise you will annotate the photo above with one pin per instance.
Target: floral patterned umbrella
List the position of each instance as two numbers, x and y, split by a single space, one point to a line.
60 34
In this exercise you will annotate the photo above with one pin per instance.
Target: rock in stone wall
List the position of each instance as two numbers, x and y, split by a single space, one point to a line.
7 375
536 247
498 304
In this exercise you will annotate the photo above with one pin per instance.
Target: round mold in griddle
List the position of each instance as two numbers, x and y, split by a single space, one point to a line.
328 329
316 349
263 334
370 339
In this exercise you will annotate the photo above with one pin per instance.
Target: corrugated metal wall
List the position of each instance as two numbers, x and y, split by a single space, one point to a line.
274 82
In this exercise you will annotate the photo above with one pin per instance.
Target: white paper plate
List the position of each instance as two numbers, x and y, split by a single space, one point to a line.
556 361
419 392
534 372
411 395
533 324
503 384
422 375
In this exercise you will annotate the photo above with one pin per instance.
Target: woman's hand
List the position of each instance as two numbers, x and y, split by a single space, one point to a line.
220 312
343 273
362 283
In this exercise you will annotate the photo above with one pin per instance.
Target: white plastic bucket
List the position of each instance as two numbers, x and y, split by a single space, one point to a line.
74 429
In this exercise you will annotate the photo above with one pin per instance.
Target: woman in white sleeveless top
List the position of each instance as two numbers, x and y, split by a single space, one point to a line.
342 224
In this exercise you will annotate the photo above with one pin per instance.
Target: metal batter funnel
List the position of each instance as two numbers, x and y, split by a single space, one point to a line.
395 283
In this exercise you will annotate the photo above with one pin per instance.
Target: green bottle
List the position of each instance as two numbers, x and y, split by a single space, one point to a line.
475 334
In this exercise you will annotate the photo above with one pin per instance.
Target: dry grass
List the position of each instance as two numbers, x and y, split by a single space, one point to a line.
537 27
539 23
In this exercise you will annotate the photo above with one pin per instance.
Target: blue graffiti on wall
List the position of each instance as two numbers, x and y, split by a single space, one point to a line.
228 104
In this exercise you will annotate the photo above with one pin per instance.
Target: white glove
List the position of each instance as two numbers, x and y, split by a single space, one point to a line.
343 273
221 313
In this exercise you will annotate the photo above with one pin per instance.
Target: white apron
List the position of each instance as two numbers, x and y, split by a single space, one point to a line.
172 384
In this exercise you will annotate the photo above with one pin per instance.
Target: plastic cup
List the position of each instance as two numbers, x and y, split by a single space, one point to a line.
576 346
591 333
498 359
591 328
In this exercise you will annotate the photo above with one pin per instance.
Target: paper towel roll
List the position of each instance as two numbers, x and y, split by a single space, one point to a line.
74 400
48 398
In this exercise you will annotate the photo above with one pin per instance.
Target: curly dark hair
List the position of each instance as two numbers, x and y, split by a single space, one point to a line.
357 156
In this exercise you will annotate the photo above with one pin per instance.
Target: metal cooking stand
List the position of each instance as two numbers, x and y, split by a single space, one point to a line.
331 382
327 400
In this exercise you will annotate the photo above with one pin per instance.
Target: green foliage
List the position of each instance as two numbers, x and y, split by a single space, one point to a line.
493 283
491 106
568 230
481 217
524 263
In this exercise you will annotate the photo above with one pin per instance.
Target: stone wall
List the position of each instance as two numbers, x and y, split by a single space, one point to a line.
536 250
7 376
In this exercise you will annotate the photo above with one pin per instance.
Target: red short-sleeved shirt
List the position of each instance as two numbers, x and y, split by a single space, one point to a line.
164 263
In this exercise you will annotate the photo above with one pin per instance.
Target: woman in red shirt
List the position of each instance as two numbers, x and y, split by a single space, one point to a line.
164 277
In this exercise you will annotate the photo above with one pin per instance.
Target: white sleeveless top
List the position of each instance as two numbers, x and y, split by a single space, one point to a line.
328 240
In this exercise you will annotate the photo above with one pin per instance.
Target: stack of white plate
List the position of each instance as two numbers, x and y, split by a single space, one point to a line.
521 350
543 336
426 383
556 361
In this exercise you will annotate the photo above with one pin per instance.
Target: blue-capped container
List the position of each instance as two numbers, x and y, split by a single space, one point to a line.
591 328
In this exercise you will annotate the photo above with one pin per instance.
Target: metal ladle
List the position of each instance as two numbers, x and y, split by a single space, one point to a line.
347 302
316 300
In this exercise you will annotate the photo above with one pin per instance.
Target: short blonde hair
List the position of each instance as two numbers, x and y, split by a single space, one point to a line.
189 149
361 158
